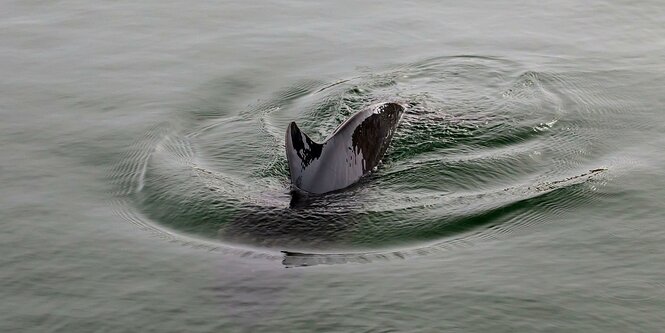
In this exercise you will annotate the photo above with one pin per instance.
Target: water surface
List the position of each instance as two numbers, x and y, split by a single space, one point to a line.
144 184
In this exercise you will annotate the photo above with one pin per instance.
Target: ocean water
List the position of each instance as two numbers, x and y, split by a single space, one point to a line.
144 186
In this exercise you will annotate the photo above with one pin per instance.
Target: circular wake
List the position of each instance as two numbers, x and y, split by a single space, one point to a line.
485 148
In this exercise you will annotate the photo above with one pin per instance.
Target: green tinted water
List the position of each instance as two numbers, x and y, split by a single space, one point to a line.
144 184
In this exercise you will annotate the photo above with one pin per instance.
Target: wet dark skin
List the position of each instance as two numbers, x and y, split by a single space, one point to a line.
353 150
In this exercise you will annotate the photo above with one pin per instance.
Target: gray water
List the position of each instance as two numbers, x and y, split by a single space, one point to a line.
143 183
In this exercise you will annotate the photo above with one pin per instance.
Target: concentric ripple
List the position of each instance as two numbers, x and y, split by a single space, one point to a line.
486 148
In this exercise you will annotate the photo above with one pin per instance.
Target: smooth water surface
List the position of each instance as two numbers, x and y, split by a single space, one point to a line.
144 186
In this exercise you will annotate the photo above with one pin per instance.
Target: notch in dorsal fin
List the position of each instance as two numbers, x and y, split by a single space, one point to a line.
301 151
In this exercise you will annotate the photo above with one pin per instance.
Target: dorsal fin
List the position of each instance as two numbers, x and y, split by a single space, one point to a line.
300 152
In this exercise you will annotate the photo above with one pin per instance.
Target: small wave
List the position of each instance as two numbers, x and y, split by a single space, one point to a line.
486 149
